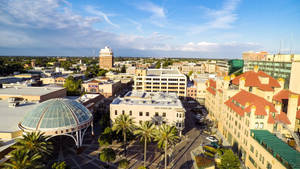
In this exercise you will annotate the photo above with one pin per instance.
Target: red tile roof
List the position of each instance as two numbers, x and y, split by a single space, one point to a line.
284 94
244 97
298 115
271 120
212 83
210 90
282 117
211 86
252 79
94 81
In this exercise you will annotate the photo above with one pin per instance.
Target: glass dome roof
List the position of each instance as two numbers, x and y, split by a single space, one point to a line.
56 113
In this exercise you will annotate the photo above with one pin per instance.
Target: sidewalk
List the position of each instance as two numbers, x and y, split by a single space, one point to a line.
219 135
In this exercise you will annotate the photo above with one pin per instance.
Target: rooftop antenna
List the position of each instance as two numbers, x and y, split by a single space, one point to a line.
279 48
291 44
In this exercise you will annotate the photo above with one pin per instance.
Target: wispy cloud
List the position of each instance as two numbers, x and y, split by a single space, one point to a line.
137 24
155 10
223 18
97 12
158 13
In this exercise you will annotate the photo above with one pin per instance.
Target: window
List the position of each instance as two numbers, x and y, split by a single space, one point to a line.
156 114
261 125
116 112
252 161
141 113
147 113
251 148
256 125
123 112
250 89
269 166
164 114
130 113
140 122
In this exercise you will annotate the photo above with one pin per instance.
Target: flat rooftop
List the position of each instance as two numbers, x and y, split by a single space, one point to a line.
163 72
11 116
28 91
149 99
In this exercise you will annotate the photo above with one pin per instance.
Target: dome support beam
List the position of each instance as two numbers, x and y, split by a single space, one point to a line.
92 128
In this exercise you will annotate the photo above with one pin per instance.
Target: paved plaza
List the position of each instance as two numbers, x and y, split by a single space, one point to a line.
180 157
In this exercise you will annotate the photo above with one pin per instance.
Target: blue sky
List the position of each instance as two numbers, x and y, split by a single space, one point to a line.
165 28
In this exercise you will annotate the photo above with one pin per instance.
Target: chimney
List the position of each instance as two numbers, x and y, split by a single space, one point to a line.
232 76
267 109
242 83
226 82
292 109
256 68
253 108
281 82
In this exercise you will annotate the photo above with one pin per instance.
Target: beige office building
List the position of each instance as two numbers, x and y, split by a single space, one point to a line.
106 58
248 110
160 80
156 107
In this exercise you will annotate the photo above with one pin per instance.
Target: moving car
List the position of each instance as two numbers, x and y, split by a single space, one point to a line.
212 139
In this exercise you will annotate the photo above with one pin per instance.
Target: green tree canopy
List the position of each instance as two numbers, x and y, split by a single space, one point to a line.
60 165
21 159
229 161
73 86
35 143
107 155
123 163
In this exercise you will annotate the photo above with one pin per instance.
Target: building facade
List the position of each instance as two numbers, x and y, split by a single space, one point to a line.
250 55
248 104
277 65
160 80
156 107
106 58
103 86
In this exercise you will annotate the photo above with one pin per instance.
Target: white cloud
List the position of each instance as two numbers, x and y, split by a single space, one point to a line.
51 14
97 12
223 18
53 25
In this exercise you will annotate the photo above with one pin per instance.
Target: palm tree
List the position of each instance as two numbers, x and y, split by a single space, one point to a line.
35 143
146 132
125 124
20 159
165 135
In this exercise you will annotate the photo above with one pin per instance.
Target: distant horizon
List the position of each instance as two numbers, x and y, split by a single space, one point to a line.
155 57
143 28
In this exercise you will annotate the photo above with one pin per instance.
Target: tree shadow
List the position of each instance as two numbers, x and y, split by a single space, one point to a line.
186 165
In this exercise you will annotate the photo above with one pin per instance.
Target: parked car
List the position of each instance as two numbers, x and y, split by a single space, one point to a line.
212 139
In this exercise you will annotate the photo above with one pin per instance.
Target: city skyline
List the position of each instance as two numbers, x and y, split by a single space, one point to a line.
218 29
